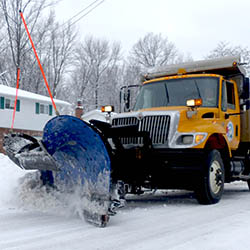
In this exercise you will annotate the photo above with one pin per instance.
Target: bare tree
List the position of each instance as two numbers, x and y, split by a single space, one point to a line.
153 50
96 60
60 46
17 39
31 75
225 49
3 48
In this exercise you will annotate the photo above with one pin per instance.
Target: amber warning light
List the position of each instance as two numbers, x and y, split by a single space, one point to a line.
107 108
194 102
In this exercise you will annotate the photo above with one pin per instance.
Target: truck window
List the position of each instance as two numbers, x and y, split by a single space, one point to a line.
175 92
230 95
152 95
224 97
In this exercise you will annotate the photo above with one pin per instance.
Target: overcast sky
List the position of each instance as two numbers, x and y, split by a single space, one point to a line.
194 26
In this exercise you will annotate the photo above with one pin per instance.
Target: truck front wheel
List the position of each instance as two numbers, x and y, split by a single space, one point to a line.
211 183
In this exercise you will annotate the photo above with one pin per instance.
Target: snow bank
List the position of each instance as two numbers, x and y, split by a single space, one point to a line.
9 175
24 190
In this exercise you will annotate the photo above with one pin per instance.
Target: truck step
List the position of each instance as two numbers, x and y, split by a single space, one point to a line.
242 177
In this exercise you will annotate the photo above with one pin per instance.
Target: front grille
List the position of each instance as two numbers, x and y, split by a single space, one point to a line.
157 126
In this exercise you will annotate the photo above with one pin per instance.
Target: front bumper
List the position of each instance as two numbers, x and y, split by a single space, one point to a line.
159 168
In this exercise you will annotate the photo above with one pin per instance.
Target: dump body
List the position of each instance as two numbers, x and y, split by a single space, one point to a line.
245 126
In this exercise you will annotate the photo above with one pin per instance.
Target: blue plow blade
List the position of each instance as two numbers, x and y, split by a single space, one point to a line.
84 164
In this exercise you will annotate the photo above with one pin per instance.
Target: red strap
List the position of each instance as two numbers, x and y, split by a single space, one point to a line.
41 68
17 87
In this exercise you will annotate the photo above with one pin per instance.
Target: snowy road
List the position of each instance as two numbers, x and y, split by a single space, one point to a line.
170 220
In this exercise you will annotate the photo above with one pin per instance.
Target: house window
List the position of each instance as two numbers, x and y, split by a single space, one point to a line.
9 103
43 109
2 102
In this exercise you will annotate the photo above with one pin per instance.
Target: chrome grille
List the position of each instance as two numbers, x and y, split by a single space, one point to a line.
157 126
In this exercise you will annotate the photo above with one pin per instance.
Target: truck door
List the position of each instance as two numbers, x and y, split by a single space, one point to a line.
230 109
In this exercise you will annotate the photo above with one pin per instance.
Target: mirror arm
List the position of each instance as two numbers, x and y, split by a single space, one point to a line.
228 115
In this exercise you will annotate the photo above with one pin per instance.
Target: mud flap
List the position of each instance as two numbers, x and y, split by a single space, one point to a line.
83 159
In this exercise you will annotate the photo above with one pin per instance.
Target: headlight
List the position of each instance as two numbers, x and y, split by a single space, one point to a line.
188 140
185 139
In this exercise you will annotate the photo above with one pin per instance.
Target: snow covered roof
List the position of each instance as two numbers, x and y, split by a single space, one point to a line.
9 91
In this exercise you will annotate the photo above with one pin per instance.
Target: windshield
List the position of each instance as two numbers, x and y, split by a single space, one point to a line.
176 92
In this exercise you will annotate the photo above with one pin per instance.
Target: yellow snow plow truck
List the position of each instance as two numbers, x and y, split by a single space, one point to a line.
189 129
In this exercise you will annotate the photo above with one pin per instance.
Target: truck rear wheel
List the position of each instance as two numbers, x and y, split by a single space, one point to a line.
211 182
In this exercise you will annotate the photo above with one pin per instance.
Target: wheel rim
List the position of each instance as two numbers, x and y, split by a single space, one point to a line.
215 177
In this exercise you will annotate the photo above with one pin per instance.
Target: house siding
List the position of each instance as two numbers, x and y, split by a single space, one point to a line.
27 117
33 112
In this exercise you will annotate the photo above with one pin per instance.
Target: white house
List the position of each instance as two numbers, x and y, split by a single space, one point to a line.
32 111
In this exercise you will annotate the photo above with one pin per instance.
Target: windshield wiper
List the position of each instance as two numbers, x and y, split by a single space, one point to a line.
166 89
198 90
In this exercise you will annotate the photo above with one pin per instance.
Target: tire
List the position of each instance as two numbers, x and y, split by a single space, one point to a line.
211 183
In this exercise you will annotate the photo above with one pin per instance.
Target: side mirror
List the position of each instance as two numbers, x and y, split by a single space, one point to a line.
127 99
127 96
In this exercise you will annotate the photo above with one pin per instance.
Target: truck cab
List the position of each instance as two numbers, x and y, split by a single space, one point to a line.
206 104
189 129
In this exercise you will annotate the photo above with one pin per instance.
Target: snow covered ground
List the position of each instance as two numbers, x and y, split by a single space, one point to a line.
31 218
